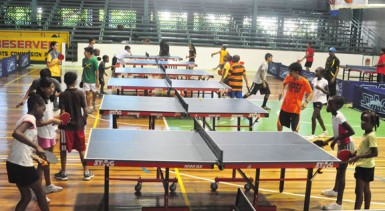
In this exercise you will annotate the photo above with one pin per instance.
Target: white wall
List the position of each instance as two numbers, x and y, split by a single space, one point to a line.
251 57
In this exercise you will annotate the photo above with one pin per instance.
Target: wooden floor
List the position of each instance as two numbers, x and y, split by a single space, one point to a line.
194 185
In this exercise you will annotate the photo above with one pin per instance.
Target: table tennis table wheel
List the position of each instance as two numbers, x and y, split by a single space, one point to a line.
173 187
138 187
247 187
214 186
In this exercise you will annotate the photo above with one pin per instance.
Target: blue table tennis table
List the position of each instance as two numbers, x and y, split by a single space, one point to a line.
363 71
166 63
152 57
205 108
172 73
121 84
201 149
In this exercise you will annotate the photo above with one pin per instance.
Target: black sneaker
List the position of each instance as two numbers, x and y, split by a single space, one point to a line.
61 176
88 175
266 108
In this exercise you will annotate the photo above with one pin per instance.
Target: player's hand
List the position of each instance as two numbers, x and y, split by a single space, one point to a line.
212 55
264 84
304 105
353 160
56 121
280 96
332 145
317 87
333 80
40 152
19 104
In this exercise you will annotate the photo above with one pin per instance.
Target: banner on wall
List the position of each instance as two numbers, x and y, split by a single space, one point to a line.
370 99
63 35
1 68
37 46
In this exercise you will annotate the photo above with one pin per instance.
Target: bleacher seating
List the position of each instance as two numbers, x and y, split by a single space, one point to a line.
191 22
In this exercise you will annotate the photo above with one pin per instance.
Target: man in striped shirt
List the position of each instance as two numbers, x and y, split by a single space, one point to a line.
236 75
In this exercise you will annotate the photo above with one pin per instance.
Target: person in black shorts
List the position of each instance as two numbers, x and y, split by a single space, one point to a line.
259 82
309 56
102 73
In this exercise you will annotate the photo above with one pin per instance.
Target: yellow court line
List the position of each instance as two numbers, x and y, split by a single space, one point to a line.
180 181
33 70
96 120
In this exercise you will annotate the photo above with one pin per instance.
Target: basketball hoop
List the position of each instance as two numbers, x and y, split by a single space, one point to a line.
333 10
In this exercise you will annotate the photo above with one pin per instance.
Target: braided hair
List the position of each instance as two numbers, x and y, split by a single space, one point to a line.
373 117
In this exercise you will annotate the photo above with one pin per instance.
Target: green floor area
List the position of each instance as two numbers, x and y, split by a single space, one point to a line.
269 124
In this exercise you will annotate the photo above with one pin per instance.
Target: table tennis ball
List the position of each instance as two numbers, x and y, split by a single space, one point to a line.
200 98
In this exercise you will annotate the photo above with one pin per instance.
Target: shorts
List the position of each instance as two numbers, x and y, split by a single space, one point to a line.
365 174
259 87
21 175
46 143
286 119
235 94
89 87
308 64
72 139
317 105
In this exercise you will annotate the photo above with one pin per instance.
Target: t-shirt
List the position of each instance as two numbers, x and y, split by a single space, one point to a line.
102 69
236 76
192 53
381 60
47 131
225 70
90 66
36 82
262 69
318 95
222 55
21 153
73 101
310 51
296 89
55 69
331 66
122 55
338 129
369 141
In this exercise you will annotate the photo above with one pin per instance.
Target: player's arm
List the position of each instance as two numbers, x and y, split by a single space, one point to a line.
324 90
373 153
283 88
247 81
349 132
24 98
18 134
215 53
262 75
41 123
337 71
308 97
96 67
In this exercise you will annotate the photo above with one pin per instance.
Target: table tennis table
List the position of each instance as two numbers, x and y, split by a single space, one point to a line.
167 63
201 149
172 73
362 70
205 108
121 84
149 57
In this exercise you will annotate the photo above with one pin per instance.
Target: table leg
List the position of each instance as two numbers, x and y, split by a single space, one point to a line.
151 124
239 123
256 187
308 189
282 182
250 124
114 121
106 186
214 120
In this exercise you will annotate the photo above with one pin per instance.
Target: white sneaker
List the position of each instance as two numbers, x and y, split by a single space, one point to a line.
34 198
311 138
52 189
324 134
332 206
330 193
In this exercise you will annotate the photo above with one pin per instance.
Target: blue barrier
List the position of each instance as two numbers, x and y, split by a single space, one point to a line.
280 72
347 88
11 64
24 60
1 68
370 98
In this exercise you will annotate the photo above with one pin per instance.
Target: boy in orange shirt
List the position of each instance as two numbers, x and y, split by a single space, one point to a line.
297 87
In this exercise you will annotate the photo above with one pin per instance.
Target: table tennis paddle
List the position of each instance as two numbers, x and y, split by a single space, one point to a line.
61 56
320 143
51 157
65 118
344 155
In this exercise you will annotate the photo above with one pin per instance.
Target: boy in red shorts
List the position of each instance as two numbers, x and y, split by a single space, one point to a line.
72 135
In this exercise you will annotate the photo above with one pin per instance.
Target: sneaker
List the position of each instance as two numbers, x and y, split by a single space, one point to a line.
324 134
266 108
311 138
88 175
90 110
332 206
104 93
330 193
34 198
61 176
52 189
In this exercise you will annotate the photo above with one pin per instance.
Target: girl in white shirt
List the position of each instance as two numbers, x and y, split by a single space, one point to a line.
20 160
46 134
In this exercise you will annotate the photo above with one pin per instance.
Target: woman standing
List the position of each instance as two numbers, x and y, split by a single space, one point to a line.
192 53
53 63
